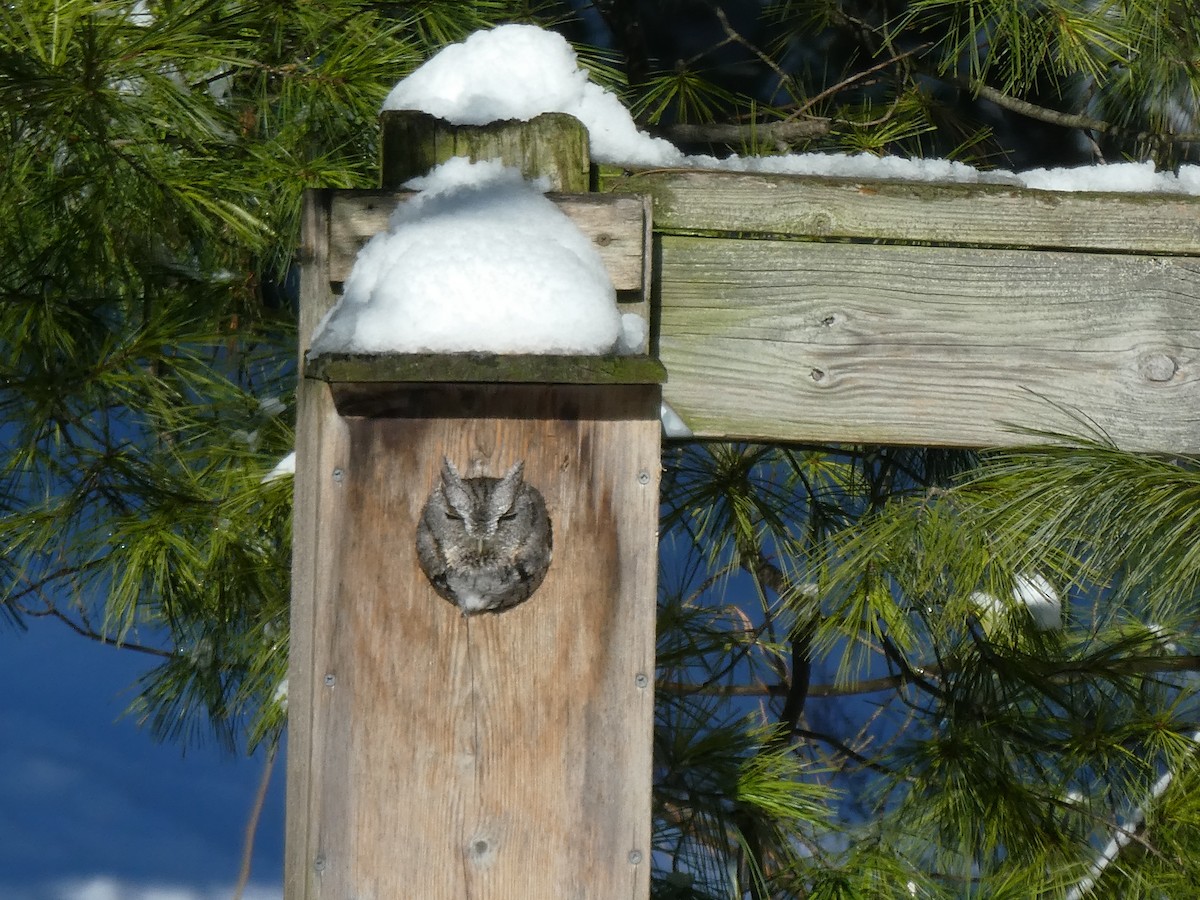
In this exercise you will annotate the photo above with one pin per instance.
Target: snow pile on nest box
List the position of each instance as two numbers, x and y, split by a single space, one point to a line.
521 71
478 260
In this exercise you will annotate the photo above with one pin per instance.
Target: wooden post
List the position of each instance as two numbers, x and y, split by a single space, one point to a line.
501 755
552 146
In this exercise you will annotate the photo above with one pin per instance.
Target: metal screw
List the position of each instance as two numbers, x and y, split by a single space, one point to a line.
641 680
319 864
635 857
643 477
337 476
330 680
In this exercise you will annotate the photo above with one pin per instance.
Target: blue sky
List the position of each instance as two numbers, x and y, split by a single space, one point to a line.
92 808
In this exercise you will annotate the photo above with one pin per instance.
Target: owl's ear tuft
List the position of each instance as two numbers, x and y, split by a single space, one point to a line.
507 489
449 472
453 489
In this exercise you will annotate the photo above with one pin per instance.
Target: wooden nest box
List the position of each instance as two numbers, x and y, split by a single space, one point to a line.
501 754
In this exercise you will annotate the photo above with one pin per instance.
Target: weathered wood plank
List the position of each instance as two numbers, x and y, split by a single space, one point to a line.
553 146
616 224
917 212
797 341
318 512
508 755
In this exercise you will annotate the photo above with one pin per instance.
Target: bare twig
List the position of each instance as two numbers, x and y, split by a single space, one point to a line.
49 609
847 82
97 636
1069 120
1033 111
844 749
783 132
260 799
737 37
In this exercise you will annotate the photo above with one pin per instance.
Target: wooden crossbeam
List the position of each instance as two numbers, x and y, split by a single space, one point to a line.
815 310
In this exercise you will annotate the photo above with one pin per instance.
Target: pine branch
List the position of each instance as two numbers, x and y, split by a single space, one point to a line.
845 749
1124 836
49 609
780 689
97 636
1060 673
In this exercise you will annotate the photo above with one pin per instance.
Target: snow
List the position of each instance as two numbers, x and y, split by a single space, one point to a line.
283 468
521 71
633 334
1037 595
1124 835
1033 592
478 260
139 14
673 425
271 406
105 888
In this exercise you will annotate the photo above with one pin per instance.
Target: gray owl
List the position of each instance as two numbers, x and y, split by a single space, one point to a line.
484 543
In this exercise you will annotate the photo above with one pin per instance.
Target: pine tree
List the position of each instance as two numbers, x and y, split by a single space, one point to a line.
856 698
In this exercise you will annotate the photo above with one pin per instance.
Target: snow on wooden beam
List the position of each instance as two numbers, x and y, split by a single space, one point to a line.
812 310
916 212
616 224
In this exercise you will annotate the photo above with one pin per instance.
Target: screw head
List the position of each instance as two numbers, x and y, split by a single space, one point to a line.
635 857
338 474
643 477
641 680
330 680
319 864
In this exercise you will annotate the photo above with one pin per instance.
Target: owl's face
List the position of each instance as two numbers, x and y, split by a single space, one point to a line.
481 504
484 543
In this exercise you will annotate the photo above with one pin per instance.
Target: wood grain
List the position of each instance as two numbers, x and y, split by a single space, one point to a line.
505 756
615 223
796 341
501 756
318 513
917 212
552 145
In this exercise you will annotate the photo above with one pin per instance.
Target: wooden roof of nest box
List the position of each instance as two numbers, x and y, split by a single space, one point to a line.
443 384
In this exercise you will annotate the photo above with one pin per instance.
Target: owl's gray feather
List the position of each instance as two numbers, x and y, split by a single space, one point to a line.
484 543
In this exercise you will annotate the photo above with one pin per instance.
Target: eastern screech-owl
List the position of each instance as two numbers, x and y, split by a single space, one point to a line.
484 543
